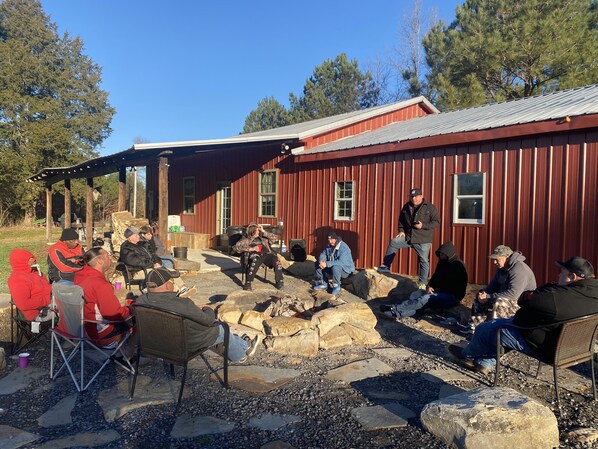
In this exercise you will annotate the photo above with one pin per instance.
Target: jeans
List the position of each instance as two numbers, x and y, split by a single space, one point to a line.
335 272
423 255
482 346
442 301
237 347
167 261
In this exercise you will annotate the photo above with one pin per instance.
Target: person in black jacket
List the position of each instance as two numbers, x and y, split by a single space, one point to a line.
446 288
203 334
417 222
575 295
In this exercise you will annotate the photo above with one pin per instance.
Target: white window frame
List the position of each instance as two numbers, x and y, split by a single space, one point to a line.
271 194
457 198
338 199
185 196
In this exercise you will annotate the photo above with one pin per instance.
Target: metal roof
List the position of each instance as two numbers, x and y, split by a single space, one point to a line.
573 102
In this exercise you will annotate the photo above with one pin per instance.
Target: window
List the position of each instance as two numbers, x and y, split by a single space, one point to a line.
189 195
469 202
268 193
344 193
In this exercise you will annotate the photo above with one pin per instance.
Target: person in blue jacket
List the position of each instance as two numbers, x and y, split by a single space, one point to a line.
335 262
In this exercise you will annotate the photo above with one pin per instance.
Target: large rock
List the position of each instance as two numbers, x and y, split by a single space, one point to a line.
299 269
248 300
303 343
285 326
355 314
229 313
369 284
121 221
335 338
365 337
254 319
491 418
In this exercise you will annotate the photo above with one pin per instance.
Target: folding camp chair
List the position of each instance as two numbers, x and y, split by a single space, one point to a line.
24 332
128 273
68 302
163 334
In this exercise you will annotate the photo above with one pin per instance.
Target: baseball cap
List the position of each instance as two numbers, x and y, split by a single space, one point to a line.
130 231
415 192
160 276
501 251
577 265
332 235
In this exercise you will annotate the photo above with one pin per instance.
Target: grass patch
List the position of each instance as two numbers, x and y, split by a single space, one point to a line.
29 238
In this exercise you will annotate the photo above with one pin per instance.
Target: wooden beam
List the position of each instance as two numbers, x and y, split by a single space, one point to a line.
122 184
89 214
49 221
163 197
67 204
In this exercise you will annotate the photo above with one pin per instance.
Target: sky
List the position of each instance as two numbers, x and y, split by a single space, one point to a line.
191 69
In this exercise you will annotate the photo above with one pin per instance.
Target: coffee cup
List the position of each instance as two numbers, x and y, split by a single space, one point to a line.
118 285
23 359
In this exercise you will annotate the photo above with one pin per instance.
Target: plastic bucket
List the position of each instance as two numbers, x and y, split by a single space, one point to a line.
180 252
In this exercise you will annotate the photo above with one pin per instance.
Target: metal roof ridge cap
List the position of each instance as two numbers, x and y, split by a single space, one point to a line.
368 113
190 143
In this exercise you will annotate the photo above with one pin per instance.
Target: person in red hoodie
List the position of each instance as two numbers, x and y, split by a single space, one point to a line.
101 304
30 290
65 257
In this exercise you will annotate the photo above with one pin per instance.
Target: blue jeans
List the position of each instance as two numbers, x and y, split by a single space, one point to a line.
335 272
237 347
482 347
167 261
442 301
423 255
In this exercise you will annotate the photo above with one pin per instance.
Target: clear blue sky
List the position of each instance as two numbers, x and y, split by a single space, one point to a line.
192 69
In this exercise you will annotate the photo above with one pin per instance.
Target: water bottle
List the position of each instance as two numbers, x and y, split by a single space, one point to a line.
283 247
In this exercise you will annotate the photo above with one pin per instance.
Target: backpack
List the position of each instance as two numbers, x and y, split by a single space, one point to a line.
298 253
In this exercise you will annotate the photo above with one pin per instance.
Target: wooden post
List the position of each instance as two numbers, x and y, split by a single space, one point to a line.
89 214
122 184
49 221
67 204
163 198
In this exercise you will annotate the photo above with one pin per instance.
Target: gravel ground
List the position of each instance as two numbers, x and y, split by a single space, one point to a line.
323 405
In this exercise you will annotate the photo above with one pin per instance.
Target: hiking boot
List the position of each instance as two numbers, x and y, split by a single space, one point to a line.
320 286
383 269
457 352
279 285
247 286
336 289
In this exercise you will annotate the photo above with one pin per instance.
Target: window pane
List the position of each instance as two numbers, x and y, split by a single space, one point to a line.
268 205
470 184
470 208
188 186
268 182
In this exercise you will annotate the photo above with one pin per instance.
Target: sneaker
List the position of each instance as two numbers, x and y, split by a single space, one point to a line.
394 314
187 292
320 286
385 308
383 269
253 345
336 289
465 329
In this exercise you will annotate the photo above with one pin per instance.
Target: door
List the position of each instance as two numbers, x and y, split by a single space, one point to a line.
223 207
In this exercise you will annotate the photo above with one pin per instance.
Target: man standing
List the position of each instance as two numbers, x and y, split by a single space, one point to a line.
417 222
447 286
575 295
255 248
201 335
334 263
513 277
101 305
65 257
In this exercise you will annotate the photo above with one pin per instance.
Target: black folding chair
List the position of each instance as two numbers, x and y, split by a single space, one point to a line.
24 332
128 273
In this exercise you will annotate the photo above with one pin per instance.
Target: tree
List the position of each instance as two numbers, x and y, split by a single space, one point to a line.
52 110
268 114
499 50
337 86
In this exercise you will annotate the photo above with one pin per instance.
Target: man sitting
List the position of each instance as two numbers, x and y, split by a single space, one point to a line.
513 277
155 246
255 247
446 287
101 304
575 295
29 289
65 257
161 294
334 264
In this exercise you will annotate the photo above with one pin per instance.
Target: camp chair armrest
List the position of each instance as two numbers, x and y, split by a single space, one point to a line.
542 326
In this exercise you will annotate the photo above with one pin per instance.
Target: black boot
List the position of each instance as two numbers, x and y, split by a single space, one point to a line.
247 286
279 285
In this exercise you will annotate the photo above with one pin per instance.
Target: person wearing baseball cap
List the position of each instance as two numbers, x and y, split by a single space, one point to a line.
499 298
573 296
203 334
333 264
65 257
417 222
